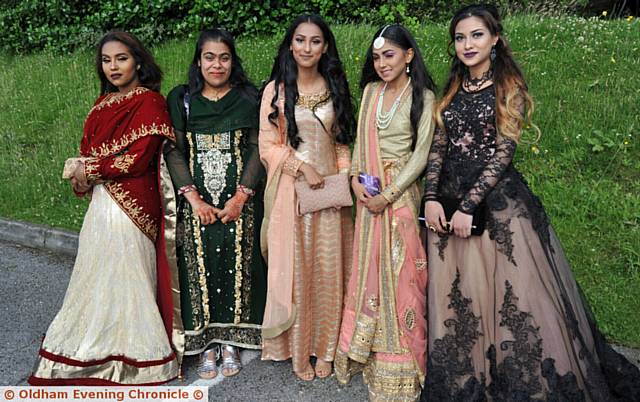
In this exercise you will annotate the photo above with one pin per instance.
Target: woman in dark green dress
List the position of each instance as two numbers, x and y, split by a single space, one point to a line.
219 177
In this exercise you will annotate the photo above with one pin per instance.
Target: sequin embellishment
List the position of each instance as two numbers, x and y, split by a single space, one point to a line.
410 318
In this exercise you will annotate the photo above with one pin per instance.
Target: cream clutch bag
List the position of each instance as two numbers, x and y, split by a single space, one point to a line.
70 167
335 193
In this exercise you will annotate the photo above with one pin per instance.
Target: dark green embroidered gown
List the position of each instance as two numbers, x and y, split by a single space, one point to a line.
222 273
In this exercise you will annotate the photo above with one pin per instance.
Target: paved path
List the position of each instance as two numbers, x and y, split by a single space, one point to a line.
31 292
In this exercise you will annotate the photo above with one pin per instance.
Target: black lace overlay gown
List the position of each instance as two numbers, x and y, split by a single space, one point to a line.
507 321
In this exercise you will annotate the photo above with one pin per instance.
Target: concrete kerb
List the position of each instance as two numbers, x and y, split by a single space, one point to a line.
39 236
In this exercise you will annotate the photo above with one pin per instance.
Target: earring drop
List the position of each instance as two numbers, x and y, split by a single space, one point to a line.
408 69
492 56
138 67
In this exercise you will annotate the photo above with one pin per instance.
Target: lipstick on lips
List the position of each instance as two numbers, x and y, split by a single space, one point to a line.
469 55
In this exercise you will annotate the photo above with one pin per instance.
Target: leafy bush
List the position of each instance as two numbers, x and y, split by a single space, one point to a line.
67 25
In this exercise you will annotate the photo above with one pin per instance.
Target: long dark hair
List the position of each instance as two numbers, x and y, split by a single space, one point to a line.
420 77
149 74
237 78
285 70
511 89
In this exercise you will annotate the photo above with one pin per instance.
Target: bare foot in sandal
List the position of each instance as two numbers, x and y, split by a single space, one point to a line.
207 368
307 374
231 364
323 369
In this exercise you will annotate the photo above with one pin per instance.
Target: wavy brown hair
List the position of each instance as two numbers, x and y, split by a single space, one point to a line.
514 105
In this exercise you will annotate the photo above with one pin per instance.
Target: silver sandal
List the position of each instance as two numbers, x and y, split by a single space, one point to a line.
231 361
207 368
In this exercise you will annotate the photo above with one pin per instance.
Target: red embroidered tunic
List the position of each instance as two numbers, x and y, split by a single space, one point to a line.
123 134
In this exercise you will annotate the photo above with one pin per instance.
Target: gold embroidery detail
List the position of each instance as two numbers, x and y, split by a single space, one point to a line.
345 368
239 233
343 151
199 249
373 302
291 166
313 101
118 145
91 169
391 193
116 97
129 205
391 381
421 264
123 162
410 319
360 346
207 142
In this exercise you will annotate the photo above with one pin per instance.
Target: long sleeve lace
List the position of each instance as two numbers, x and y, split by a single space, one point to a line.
437 154
505 148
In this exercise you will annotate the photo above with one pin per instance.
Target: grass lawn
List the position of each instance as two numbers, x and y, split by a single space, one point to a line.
583 75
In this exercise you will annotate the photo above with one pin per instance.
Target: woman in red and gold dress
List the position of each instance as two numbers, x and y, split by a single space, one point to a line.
117 322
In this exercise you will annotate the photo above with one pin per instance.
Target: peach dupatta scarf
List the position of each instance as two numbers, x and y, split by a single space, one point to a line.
276 237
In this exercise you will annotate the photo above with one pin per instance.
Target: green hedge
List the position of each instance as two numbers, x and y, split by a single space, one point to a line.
67 25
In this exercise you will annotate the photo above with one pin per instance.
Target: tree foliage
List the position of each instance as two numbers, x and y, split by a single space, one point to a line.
67 25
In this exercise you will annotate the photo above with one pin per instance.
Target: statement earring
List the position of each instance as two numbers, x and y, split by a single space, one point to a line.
492 56
408 69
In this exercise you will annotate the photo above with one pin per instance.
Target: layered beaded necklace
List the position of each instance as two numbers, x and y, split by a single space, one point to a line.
384 119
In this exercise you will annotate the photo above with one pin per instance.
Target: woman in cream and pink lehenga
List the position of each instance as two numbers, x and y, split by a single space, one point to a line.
384 330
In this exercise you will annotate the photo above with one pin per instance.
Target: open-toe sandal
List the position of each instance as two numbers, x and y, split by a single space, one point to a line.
231 364
323 369
207 368
308 374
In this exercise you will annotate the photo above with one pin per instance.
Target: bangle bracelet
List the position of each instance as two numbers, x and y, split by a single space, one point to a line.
187 189
246 190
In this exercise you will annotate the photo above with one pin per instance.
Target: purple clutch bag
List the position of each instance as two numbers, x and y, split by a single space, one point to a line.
370 183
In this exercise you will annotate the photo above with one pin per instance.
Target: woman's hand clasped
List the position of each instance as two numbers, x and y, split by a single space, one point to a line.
461 224
377 204
79 179
207 213
434 215
312 177
360 192
233 207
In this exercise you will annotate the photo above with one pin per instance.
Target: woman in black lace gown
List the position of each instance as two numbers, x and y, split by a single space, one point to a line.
507 321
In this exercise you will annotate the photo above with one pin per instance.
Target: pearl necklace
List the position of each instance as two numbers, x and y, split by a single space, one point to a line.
383 120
